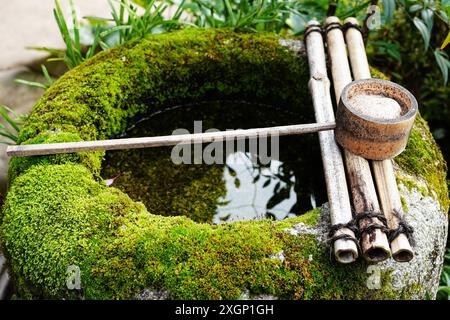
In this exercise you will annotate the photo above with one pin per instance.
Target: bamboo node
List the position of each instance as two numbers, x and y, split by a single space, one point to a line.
332 26
312 28
334 235
320 77
349 25
373 225
403 227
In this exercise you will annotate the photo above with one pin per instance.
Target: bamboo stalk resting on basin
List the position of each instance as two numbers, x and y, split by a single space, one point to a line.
383 170
148 142
374 242
345 244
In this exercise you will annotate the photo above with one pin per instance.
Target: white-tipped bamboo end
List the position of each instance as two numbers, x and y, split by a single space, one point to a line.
401 249
345 251
352 20
313 23
332 19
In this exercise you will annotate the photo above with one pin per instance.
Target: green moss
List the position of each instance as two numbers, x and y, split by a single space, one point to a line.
91 160
378 74
422 158
166 188
57 214
97 99
121 248
403 201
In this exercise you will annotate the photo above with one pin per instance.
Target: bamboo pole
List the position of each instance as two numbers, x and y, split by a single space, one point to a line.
148 142
382 170
344 247
374 242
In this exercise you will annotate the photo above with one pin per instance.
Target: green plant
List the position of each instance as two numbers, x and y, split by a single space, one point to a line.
74 54
9 130
128 24
44 86
425 12
430 20
258 15
444 288
125 24
446 41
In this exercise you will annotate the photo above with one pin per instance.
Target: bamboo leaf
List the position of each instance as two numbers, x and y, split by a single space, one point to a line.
424 31
230 14
98 20
355 10
427 17
388 10
446 278
443 15
91 51
55 59
444 289
415 7
103 45
443 63
52 51
179 11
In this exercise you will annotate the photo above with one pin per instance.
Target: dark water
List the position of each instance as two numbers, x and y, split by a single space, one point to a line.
242 186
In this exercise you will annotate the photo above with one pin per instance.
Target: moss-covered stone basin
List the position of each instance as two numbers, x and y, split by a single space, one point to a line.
59 213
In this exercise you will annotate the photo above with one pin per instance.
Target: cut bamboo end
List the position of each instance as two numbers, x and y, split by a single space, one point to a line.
401 249
351 20
375 251
345 251
331 19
